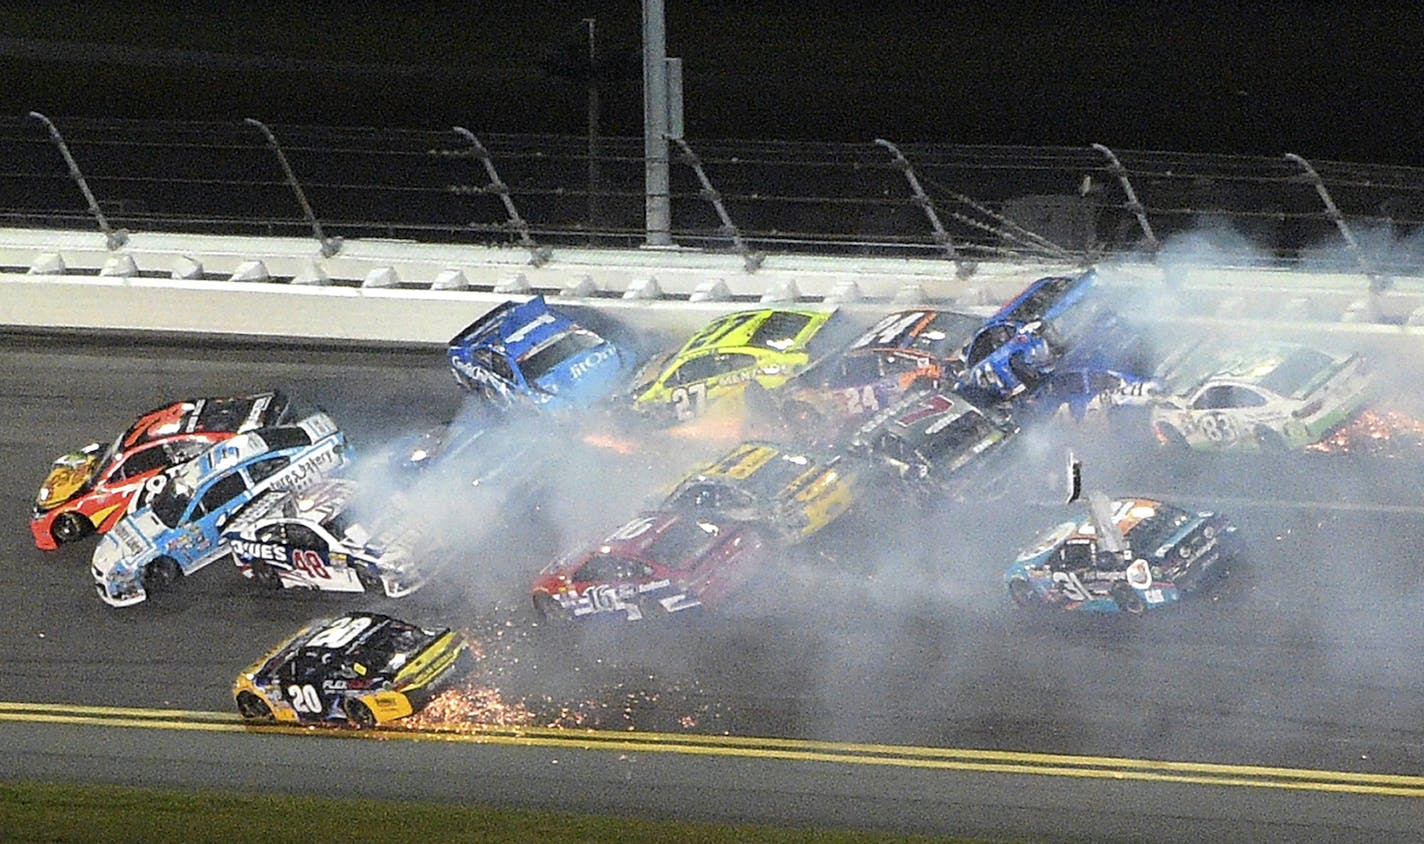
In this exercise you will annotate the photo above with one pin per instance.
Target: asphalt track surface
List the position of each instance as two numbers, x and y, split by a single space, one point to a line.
887 639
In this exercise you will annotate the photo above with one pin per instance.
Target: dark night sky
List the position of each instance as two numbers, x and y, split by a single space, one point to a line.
1325 80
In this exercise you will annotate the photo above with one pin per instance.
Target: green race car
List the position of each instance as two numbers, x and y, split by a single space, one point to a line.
719 363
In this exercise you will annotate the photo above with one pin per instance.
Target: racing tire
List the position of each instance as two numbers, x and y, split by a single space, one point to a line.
549 611
1270 442
1128 600
265 575
1174 438
161 574
1023 595
369 581
70 527
803 419
360 715
253 708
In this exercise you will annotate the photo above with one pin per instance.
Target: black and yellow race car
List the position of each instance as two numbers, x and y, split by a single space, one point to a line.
792 491
362 668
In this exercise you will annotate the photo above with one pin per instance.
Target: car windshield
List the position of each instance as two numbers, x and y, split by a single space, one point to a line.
538 362
170 502
778 331
966 430
1297 372
1152 531
776 474
1037 304
684 541
379 649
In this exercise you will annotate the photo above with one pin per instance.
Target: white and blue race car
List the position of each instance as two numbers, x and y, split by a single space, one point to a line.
311 539
174 526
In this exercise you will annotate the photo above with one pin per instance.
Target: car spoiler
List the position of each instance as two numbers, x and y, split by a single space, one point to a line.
479 330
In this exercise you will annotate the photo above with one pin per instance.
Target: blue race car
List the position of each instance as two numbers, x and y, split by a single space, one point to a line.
175 525
528 353
1015 347
1129 556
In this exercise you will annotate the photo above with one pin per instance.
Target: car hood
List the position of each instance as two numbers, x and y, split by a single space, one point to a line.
128 542
582 378
70 474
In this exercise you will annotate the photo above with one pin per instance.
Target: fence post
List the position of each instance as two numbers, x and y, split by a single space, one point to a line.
538 255
752 260
329 245
113 238
1378 281
1116 168
941 236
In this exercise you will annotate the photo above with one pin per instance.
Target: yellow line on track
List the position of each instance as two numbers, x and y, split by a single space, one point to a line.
748 747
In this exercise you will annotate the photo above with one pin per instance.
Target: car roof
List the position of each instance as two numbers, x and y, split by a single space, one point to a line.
513 328
1282 367
769 329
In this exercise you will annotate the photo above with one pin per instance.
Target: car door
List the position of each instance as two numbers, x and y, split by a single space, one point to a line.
214 506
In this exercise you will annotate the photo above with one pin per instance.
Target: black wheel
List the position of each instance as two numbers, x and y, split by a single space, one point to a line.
1128 600
1169 434
360 715
1270 441
549 610
69 527
161 574
253 708
369 581
801 418
1023 594
264 575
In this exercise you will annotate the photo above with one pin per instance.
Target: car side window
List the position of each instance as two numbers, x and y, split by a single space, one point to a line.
139 462
265 468
221 493
733 362
1246 397
301 536
272 533
699 368
1214 398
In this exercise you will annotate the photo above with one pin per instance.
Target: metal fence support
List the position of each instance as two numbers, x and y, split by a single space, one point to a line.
941 236
538 255
1378 281
329 245
113 238
1116 168
752 260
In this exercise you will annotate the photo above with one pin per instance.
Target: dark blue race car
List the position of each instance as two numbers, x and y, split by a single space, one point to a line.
527 353
1055 325
1009 353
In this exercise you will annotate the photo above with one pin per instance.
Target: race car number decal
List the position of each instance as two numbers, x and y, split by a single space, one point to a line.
689 401
309 562
159 423
304 699
1071 587
633 529
861 400
1217 427
341 633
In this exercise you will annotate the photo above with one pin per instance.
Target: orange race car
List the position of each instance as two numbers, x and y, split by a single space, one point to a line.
90 489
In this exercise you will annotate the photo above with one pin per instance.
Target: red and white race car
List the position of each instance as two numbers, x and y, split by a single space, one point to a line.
89 490
658 563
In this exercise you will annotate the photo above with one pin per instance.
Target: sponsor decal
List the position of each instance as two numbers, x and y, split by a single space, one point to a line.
591 361
250 550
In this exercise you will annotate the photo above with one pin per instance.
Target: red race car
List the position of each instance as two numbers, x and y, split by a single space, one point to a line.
90 490
659 562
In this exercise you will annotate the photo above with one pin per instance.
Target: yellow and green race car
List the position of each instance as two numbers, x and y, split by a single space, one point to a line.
717 365
795 493
362 668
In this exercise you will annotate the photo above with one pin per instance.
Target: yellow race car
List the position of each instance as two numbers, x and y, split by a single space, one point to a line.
363 669
795 493
715 367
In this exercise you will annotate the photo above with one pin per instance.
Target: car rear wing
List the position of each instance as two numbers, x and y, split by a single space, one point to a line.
488 325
